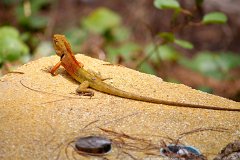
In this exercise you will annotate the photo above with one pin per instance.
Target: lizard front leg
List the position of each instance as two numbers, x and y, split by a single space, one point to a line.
83 89
52 71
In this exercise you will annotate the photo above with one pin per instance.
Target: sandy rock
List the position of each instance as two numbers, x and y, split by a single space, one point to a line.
40 115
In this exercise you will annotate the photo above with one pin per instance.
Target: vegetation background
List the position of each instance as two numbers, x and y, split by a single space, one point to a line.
192 42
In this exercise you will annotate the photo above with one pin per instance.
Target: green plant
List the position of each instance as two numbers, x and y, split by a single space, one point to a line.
101 21
107 24
11 46
215 65
164 48
27 13
76 37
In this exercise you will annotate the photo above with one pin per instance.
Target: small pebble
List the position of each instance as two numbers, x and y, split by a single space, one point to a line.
93 145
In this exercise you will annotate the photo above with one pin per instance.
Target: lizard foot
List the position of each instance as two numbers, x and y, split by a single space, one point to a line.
90 94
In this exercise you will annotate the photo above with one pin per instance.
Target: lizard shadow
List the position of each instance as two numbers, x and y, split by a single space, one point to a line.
62 72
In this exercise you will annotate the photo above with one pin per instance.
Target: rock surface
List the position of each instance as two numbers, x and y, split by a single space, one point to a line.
40 116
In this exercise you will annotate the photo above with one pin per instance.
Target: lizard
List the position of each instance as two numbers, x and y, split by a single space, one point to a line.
90 79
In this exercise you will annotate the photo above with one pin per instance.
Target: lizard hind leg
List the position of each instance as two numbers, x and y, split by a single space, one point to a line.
83 89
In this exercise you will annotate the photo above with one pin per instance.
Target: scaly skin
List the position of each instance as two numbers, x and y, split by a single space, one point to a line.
88 79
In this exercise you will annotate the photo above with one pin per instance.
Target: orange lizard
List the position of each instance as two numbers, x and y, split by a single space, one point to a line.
89 79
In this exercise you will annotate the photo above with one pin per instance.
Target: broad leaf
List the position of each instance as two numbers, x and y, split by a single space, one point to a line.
101 20
120 33
167 36
164 52
126 50
147 68
167 4
183 44
76 37
205 89
12 48
8 31
215 18
211 64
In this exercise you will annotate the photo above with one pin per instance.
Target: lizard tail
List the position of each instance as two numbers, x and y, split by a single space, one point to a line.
120 93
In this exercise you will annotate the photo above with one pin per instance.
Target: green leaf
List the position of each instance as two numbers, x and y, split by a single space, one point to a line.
120 33
76 37
172 80
227 61
214 18
8 31
183 44
164 52
34 22
129 48
38 22
101 20
25 36
12 48
205 89
167 4
216 65
167 36
147 68
205 63
37 5
112 53
168 53
126 51
188 63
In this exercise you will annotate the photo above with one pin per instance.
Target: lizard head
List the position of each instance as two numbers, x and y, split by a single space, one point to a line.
64 51
60 44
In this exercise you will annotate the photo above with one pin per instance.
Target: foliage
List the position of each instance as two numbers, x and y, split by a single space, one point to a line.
76 37
11 46
184 44
107 24
101 20
205 89
120 33
162 53
207 63
169 37
216 65
28 14
126 51
215 18
169 4
157 54
147 68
